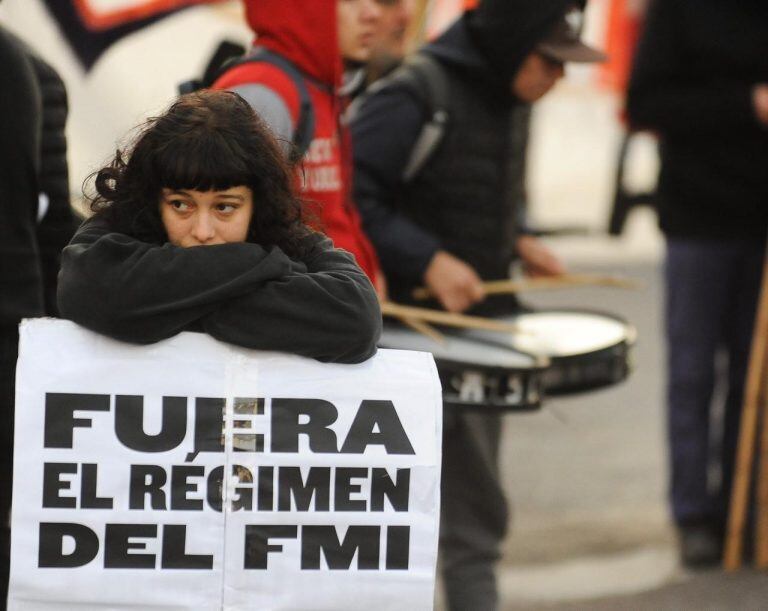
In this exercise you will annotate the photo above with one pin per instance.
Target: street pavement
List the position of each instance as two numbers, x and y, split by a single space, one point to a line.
710 590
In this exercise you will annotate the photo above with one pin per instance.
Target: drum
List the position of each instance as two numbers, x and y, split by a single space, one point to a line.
586 349
476 375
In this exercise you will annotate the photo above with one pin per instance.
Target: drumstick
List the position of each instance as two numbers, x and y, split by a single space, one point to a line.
496 287
424 328
449 319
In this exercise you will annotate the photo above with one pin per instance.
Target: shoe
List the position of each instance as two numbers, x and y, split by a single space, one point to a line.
701 546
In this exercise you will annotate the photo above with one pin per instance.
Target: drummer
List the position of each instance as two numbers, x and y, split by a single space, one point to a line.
456 222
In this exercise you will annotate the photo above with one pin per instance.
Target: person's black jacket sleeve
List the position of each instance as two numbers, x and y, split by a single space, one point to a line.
327 310
239 293
384 131
666 89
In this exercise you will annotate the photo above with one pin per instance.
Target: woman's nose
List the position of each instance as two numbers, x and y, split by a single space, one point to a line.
203 230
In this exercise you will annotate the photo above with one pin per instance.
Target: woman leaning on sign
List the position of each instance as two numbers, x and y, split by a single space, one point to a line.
198 228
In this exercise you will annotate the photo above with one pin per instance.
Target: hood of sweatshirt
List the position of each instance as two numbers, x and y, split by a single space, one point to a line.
302 31
492 41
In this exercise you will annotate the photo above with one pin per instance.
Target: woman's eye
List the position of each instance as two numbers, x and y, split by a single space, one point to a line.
226 208
179 205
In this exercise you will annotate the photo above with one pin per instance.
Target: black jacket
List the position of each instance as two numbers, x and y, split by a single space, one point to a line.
33 160
481 53
324 307
21 278
691 82
59 223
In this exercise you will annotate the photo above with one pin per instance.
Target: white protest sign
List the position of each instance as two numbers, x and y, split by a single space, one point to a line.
191 474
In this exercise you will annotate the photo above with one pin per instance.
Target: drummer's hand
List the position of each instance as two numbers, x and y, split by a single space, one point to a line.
454 283
380 284
538 259
760 102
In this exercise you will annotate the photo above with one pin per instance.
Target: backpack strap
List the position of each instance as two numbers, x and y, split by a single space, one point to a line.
304 131
425 78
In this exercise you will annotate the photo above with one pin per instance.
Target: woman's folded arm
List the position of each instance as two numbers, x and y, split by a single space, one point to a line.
142 293
330 312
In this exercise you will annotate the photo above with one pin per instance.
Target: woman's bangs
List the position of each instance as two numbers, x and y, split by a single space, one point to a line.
207 163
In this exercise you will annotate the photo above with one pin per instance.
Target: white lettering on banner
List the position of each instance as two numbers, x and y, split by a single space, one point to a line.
212 477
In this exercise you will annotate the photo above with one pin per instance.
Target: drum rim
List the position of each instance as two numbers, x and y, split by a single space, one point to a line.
531 375
592 384
495 409
539 365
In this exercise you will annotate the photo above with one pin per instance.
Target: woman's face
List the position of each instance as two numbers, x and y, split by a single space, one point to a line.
205 218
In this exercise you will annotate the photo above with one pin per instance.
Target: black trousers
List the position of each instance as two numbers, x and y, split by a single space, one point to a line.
712 292
474 512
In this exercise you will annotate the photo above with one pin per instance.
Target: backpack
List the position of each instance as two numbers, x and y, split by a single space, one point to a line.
228 56
425 78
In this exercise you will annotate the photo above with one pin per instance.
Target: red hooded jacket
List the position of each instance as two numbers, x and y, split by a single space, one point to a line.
305 33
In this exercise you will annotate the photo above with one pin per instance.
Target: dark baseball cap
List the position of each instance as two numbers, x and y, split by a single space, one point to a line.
563 42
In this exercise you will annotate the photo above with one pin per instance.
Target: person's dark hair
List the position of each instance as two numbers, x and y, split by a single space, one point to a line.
207 140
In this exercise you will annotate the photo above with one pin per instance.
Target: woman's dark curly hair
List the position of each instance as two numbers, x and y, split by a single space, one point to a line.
207 140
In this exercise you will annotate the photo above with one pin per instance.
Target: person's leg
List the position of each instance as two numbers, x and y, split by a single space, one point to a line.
747 277
695 303
473 516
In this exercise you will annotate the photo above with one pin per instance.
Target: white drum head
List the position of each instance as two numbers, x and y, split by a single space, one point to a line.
559 334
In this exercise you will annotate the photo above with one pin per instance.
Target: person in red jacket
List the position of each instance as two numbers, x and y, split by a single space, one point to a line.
306 33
